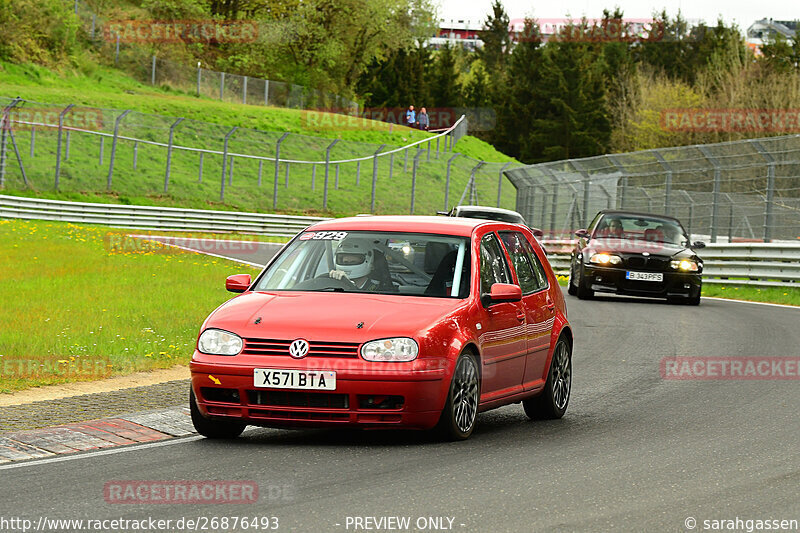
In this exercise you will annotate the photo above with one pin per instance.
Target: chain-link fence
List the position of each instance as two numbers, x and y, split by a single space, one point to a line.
147 157
742 190
137 59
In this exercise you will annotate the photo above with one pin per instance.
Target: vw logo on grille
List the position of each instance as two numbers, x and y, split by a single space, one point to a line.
299 348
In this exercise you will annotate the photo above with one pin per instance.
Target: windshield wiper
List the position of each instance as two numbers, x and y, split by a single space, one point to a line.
328 289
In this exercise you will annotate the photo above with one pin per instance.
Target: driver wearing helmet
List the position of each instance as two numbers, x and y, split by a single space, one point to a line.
355 261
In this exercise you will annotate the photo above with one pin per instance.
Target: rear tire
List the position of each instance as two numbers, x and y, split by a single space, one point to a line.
553 401
213 429
457 420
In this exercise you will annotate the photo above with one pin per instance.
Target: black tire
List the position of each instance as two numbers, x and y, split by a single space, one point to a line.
572 290
583 292
457 420
693 300
210 428
553 401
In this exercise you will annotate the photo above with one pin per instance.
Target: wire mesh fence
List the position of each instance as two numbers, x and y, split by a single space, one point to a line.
137 59
741 190
46 147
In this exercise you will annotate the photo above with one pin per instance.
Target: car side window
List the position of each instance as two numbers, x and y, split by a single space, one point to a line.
514 242
493 264
538 269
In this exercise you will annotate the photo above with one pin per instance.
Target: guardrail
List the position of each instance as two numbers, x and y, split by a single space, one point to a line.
755 264
153 218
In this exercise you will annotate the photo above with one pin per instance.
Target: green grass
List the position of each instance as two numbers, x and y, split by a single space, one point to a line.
83 176
70 305
775 295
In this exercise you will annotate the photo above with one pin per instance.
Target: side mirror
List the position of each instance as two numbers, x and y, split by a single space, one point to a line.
238 282
698 244
503 292
582 233
539 234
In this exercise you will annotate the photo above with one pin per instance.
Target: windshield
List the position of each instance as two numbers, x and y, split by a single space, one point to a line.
491 215
408 264
632 227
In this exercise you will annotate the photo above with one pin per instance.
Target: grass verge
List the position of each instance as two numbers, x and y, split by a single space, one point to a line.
75 312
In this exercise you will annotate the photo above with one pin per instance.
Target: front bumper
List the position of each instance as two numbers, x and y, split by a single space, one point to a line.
224 389
674 284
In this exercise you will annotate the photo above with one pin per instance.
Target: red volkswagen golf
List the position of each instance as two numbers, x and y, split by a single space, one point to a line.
379 322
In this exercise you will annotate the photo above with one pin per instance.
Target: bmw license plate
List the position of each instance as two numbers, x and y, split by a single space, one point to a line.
276 378
645 276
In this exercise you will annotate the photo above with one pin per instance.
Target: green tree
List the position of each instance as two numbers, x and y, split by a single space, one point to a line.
782 54
443 83
496 39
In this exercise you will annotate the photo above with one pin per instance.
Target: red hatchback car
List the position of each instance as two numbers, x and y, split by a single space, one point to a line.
381 322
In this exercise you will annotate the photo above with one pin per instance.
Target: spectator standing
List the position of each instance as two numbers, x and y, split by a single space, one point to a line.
411 117
422 120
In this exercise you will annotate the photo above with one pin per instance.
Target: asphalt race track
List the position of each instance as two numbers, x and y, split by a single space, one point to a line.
634 453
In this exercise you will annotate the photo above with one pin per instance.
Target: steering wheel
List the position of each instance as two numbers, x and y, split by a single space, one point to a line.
324 281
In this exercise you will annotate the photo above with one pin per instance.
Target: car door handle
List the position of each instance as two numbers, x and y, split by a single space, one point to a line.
521 316
550 303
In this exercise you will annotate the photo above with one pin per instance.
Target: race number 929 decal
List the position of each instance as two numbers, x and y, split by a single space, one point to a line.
323 236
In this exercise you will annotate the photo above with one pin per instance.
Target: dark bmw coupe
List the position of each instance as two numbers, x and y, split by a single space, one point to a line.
637 254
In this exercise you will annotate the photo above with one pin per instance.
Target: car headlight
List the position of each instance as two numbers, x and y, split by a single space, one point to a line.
605 259
219 342
397 350
686 265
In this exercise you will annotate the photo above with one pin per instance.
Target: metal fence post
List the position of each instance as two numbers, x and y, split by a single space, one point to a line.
717 186
691 213
114 148
391 164
169 153
277 168
116 52
587 182
375 176
358 173
473 193
224 161
135 154
768 201
500 183
437 146
313 176
428 157
327 171
624 179
221 84
730 217
244 91
260 169
266 92
33 140
414 180
153 72
199 73
58 143
100 154
668 184
19 158
447 182
200 170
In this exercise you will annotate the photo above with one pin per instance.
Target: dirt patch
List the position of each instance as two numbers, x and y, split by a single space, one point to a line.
55 392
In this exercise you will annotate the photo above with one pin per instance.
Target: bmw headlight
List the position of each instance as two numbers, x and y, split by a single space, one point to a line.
684 265
397 350
219 342
605 259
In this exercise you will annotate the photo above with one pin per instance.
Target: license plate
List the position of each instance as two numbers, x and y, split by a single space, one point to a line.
276 378
645 276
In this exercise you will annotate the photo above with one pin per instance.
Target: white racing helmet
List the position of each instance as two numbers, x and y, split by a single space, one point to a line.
354 257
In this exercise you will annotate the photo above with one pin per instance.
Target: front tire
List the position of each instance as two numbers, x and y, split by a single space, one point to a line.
552 402
584 292
457 420
571 289
213 429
